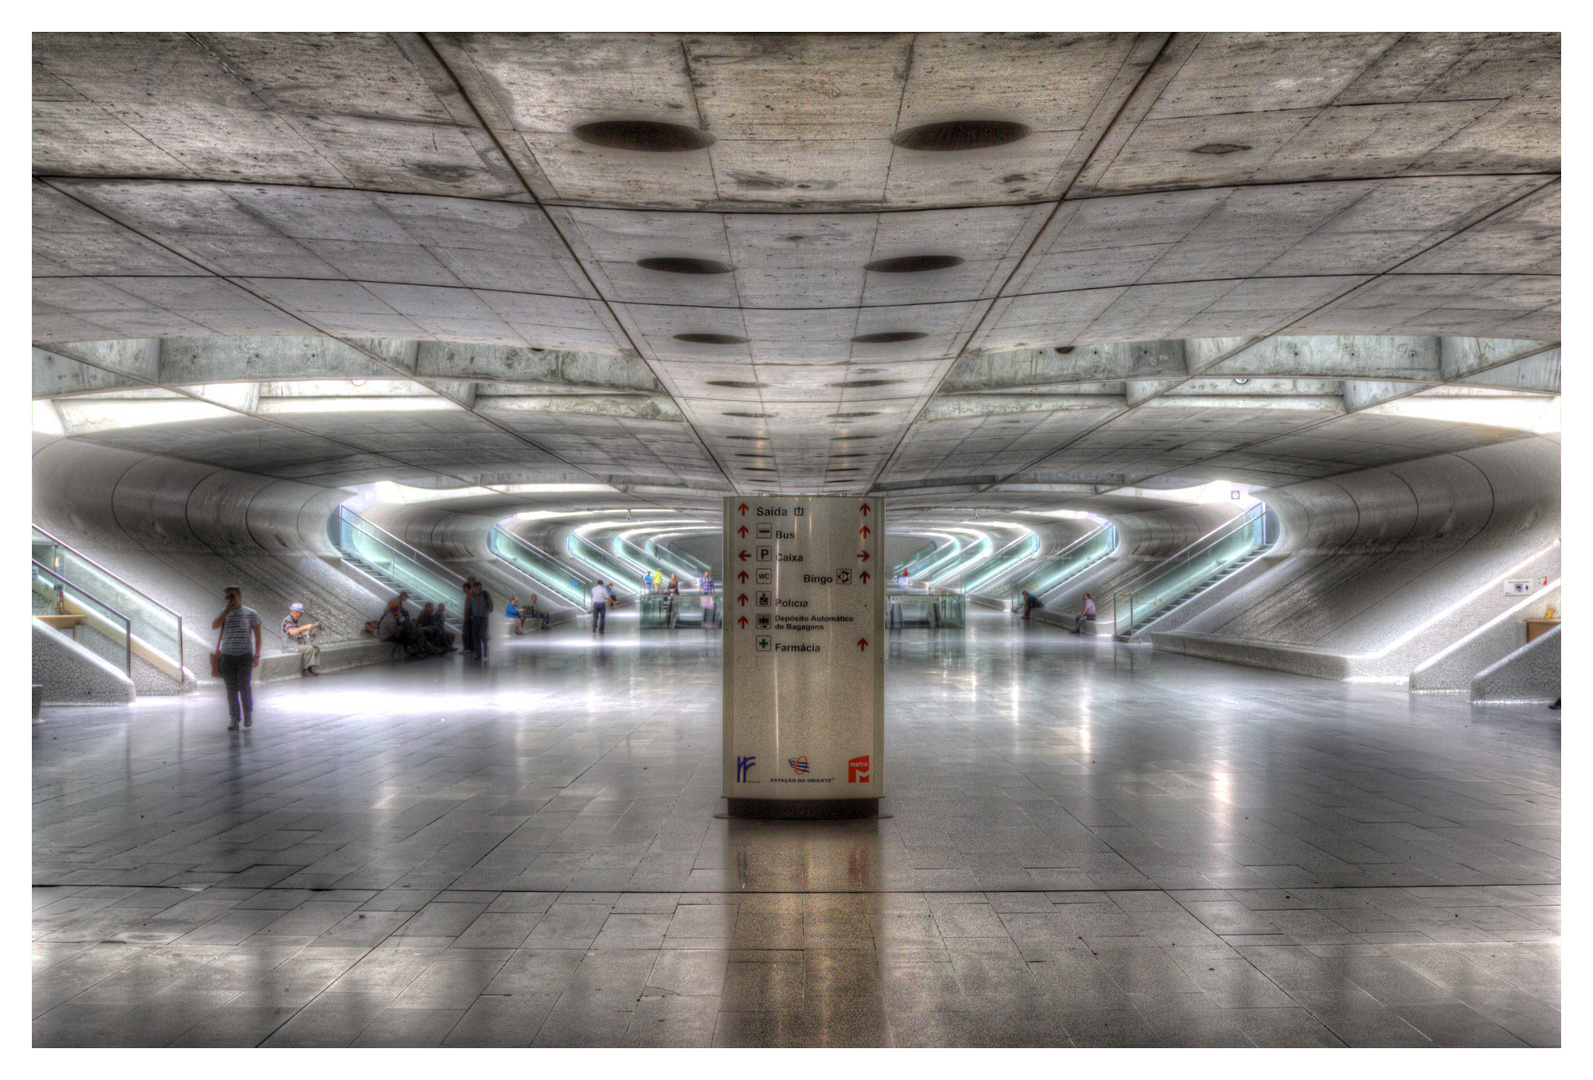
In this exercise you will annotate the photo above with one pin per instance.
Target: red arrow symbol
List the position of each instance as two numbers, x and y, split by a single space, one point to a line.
743 622
864 508
743 532
743 599
863 532
742 577
863 577
743 509
862 644
863 555
745 556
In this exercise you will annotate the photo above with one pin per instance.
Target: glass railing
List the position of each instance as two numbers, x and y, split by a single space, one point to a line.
605 566
1009 560
685 558
69 608
539 566
1072 560
667 612
918 556
970 558
155 626
938 559
1152 593
423 577
631 553
937 610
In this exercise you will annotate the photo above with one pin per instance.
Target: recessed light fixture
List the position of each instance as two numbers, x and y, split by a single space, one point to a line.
711 339
913 264
851 415
735 384
1241 382
649 136
752 415
864 384
1218 149
952 135
748 438
888 337
684 264
1064 349
851 454
849 438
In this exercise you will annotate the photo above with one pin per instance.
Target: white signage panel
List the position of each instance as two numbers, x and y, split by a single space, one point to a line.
803 663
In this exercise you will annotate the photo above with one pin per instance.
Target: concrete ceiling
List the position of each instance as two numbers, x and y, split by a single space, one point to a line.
1263 258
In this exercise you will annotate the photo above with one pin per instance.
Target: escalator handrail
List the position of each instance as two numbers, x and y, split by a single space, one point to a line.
1216 536
1086 538
355 521
110 574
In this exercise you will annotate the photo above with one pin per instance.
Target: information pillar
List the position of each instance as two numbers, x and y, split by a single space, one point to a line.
804 664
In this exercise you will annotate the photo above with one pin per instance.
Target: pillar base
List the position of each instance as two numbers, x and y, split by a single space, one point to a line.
803 809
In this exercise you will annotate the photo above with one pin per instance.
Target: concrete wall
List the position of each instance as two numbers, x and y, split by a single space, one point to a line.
74 675
1529 675
1388 567
180 531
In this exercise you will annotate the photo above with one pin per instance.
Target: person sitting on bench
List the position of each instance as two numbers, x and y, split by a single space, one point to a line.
1087 615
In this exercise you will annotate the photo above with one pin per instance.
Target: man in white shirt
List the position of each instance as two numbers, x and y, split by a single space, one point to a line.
599 607
1087 615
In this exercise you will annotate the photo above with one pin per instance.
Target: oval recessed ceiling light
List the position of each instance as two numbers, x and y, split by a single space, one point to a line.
913 264
649 136
1218 149
845 468
684 264
1064 349
888 337
735 384
711 339
960 135
848 455
752 415
760 455
864 384
847 438
851 415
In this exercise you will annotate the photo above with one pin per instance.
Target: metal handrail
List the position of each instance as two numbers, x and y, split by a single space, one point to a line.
996 557
504 535
411 553
1217 535
129 586
68 581
1086 538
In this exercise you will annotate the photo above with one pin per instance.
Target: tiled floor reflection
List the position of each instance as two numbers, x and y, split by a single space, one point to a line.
1090 845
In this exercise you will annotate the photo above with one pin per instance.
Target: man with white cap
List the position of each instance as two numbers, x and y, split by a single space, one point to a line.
302 634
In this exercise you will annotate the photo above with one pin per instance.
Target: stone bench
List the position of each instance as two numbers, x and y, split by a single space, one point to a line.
335 656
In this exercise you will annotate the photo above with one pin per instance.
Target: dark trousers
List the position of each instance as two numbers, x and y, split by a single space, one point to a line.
535 614
478 634
434 634
235 673
599 616
468 629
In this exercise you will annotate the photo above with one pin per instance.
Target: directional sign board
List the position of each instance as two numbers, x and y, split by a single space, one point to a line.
803 667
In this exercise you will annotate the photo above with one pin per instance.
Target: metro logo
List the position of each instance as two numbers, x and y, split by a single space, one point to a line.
857 770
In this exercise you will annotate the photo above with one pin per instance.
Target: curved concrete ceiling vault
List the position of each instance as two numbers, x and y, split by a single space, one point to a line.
995 272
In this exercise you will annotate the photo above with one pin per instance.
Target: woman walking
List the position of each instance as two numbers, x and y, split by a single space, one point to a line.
237 660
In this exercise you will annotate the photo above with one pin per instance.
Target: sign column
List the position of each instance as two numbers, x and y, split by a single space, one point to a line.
804 688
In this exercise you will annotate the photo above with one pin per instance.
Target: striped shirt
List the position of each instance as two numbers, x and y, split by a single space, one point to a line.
236 640
289 624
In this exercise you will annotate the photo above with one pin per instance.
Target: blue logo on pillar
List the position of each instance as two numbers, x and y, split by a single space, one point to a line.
743 767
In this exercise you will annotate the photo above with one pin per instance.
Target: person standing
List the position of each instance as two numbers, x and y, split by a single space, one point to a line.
469 642
238 659
478 606
1087 615
301 635
599 607
705 585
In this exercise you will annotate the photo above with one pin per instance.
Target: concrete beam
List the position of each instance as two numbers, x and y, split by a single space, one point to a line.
1085 363
60 376
630 406
973 406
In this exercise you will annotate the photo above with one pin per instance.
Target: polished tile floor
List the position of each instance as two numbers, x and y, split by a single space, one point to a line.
1090 845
